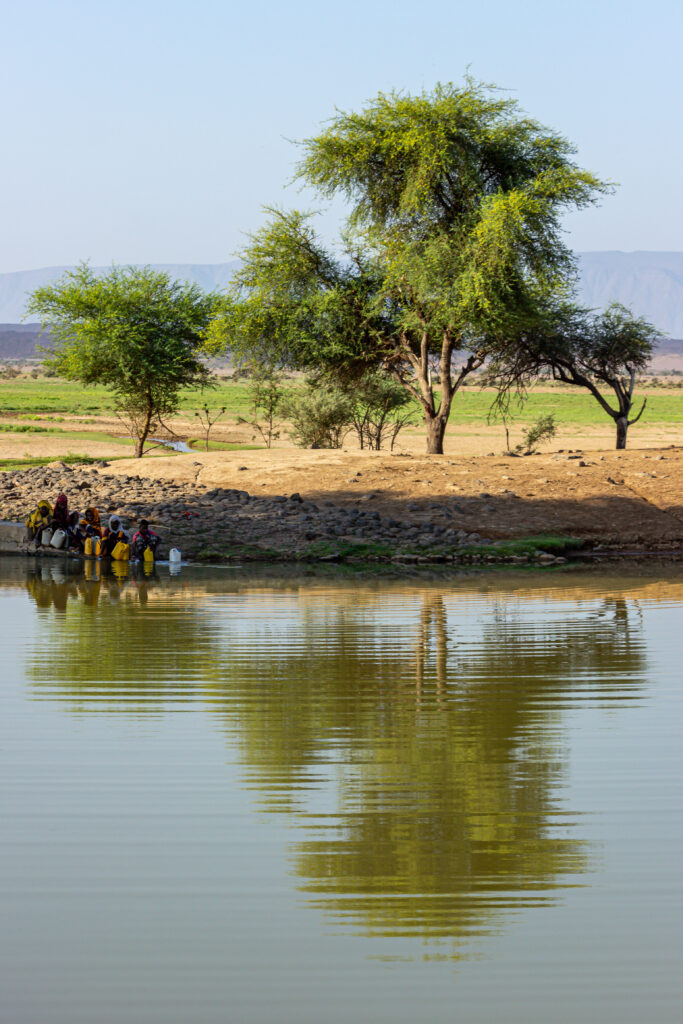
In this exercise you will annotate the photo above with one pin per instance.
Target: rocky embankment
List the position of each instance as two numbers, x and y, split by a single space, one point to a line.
214 523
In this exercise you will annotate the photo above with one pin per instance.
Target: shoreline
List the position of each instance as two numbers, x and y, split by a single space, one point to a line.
378 509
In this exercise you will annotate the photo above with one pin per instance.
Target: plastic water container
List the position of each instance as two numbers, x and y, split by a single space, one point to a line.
174 557
58 539
46 536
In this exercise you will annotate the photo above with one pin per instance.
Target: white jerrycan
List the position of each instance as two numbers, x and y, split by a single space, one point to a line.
46 536
58 539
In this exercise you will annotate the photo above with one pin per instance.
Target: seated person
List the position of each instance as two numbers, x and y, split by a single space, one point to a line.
39 520
143 540
112 535
73 533
90 525
60 516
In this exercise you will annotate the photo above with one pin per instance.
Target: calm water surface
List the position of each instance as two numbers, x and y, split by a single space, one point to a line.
238 799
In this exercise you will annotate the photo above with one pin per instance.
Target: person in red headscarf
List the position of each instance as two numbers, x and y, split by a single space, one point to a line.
60 516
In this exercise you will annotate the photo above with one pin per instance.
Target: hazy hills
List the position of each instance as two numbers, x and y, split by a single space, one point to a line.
650 283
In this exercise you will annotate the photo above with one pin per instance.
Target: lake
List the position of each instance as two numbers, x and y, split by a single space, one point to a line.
256 798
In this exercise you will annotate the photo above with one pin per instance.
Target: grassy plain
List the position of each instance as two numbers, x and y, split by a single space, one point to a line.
48 418
25 396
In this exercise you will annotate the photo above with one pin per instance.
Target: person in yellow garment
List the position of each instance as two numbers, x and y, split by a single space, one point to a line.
90 530
39 520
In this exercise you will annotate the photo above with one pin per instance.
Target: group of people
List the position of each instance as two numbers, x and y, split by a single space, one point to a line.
86 534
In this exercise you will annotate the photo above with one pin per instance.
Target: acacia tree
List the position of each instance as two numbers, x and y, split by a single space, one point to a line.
608 353
595 351
453 233
133 330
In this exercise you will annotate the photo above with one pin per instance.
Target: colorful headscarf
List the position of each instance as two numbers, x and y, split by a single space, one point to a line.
61 513
94 523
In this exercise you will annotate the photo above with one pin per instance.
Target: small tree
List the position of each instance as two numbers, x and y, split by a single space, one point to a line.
319 419
542 430
609 353
266 397
133 330
207 417
583 349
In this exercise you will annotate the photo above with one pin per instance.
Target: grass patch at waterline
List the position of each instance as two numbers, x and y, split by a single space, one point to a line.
344 549
527 546
243 552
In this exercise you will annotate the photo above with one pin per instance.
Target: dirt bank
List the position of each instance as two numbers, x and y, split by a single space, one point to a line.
328 504
629 499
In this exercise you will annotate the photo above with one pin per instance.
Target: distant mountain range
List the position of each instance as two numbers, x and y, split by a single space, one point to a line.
650 283
15 286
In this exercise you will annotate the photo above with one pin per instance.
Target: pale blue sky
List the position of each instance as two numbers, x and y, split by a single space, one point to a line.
154 131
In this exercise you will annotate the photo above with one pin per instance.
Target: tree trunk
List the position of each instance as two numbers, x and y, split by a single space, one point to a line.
436 428
142 436
622 428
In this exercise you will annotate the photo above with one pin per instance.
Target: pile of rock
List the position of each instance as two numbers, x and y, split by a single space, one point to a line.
207 522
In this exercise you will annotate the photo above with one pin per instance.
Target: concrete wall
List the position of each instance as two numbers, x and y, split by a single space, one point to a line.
14 540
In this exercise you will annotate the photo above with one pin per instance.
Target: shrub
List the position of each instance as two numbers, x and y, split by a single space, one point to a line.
542 430
319 418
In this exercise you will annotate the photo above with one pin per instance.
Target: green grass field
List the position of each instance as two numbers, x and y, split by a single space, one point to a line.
27 397
472 406
199 445
29 432
49 395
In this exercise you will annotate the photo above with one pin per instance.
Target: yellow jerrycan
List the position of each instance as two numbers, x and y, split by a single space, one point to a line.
121 552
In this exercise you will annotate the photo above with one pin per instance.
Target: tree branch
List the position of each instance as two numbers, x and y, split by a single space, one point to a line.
642 410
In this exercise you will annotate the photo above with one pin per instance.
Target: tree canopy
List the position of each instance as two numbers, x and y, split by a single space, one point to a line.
134 330
453 236
596 351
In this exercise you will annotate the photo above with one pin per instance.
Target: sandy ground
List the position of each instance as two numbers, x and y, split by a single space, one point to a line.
579 486
468 439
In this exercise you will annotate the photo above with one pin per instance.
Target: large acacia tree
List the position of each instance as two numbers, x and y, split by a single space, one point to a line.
455 201
134 330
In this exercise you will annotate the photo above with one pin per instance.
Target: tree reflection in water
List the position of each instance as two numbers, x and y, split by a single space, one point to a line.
416 739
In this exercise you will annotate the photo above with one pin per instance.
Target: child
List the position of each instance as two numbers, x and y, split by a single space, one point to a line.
145 539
